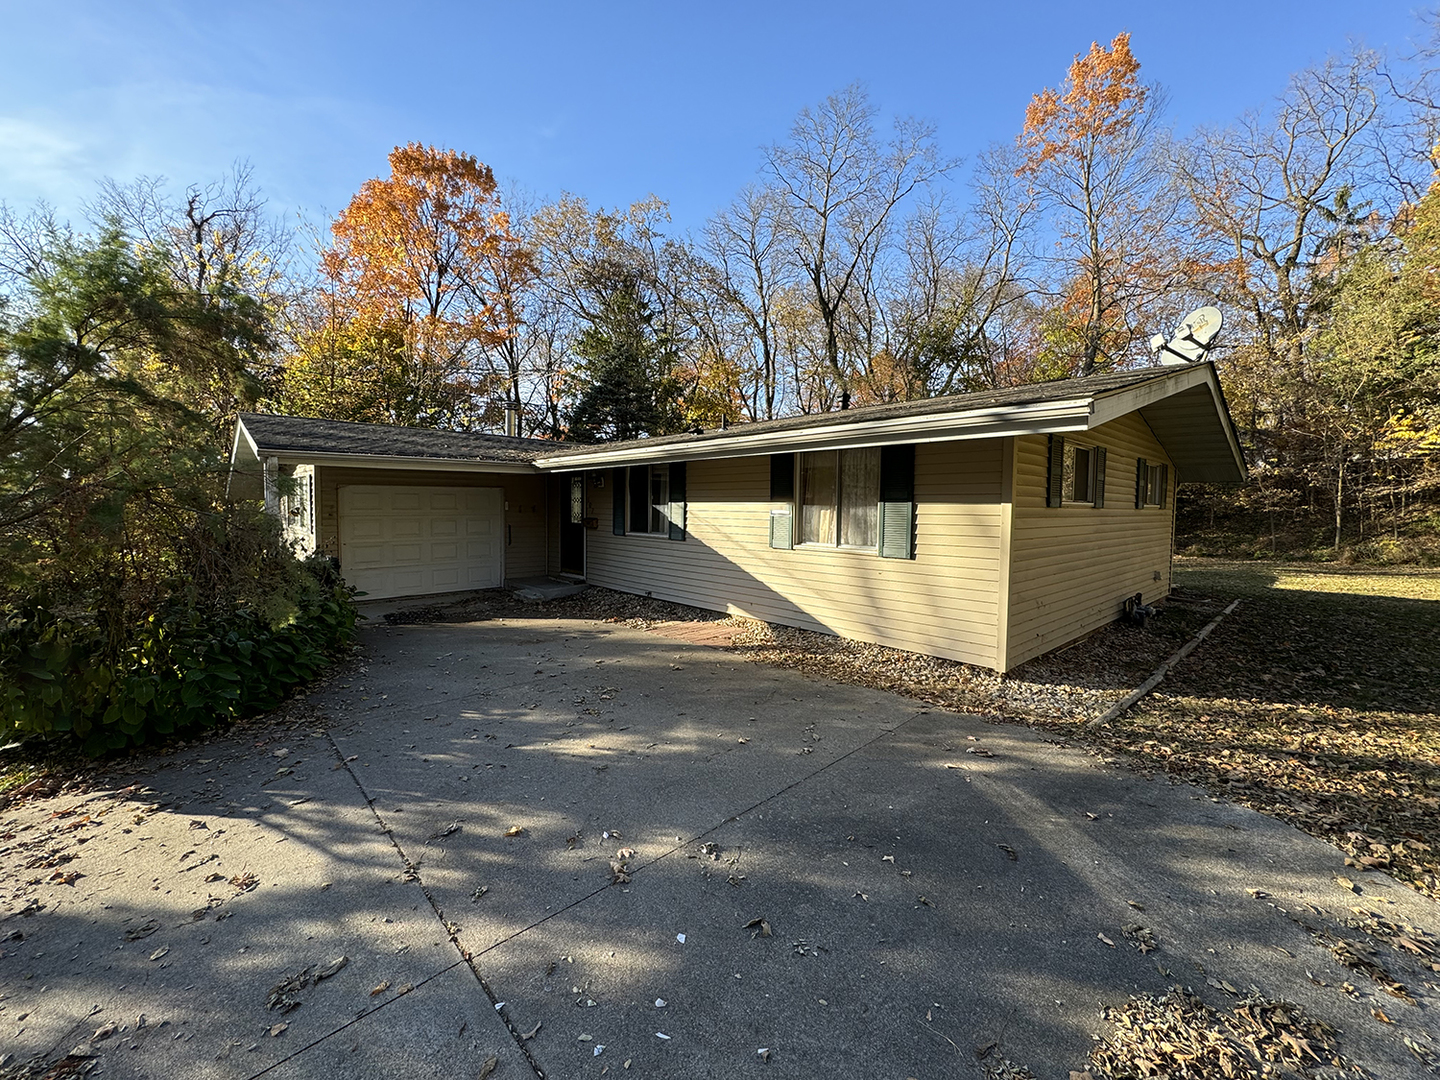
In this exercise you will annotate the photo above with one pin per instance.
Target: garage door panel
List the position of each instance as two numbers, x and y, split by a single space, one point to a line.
399 541
361 529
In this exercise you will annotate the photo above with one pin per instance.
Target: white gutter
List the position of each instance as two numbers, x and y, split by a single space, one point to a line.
389 461
1050 416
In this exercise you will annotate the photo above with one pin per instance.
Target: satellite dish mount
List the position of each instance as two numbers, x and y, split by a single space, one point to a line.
1191 341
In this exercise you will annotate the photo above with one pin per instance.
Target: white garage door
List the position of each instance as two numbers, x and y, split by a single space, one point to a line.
409 541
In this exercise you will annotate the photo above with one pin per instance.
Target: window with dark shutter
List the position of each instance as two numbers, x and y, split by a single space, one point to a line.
677 500
1099 477
1142 477
617 497
897 502
1055 473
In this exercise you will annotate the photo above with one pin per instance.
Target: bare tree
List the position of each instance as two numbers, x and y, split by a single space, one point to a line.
1263 194
744 245
840 187
967 300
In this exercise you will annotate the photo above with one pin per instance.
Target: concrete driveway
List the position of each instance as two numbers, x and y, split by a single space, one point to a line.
934 886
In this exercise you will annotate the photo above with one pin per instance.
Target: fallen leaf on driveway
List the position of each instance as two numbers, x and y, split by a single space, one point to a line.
526 1036
332 968
491 1063
514 830
1346 883
145 929
1009 852
760 926
381 988
276 1030
158 953
1106 940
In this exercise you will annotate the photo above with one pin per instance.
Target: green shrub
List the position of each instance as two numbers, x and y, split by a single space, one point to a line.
185 665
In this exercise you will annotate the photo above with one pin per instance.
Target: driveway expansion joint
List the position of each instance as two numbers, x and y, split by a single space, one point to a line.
413 868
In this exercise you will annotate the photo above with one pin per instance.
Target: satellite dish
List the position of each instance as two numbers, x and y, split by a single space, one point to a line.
1192 339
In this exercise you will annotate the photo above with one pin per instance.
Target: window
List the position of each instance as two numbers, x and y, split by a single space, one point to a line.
1155 484
577 500
650 499
839 498
1079 483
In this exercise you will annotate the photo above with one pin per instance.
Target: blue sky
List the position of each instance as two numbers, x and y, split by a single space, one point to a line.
612 101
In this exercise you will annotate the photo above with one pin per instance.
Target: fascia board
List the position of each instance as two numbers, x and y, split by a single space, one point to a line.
1054 416
1222 412
379 461
1120 403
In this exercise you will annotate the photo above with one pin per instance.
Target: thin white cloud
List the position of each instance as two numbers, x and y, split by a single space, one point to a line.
39 160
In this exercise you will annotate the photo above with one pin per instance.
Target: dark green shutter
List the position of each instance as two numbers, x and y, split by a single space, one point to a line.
782 489
897 502
617 497
1141 472
1099 477
1164 483
1055 471
640 498
677 500
782 477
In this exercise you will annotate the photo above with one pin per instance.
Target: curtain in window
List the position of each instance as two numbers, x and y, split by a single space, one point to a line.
859 497
817 498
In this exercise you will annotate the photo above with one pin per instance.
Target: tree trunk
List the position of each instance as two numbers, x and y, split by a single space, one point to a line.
1339 498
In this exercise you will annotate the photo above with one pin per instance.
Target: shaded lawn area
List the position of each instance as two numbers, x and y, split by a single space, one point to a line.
1317 700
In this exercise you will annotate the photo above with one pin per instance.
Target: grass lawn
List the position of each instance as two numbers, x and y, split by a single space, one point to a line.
1317 700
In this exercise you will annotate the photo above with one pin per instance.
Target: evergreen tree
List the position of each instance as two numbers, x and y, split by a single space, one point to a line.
630 389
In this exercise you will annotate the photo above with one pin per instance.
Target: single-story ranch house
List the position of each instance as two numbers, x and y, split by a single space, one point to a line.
988 528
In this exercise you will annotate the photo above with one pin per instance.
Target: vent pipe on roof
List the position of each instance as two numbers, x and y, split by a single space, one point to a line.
512 419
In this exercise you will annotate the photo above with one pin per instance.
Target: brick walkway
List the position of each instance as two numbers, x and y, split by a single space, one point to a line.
717 635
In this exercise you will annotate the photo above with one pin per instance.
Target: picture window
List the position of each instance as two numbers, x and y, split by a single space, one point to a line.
839 498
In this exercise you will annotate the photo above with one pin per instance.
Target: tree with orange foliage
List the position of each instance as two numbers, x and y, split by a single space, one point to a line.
1094 151
429 250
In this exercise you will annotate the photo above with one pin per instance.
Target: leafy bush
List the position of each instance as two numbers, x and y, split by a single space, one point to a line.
185 665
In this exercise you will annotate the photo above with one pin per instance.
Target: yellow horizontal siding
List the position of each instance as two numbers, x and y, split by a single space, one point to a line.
943 602
1072 566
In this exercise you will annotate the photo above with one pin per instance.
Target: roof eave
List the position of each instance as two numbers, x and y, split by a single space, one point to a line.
397 461
1052 416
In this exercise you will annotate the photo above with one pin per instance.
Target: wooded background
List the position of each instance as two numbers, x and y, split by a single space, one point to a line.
864 264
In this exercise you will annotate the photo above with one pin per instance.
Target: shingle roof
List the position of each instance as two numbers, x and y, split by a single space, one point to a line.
298 434
294 434
1031 394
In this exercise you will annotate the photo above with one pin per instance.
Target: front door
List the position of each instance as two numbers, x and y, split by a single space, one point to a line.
572 529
